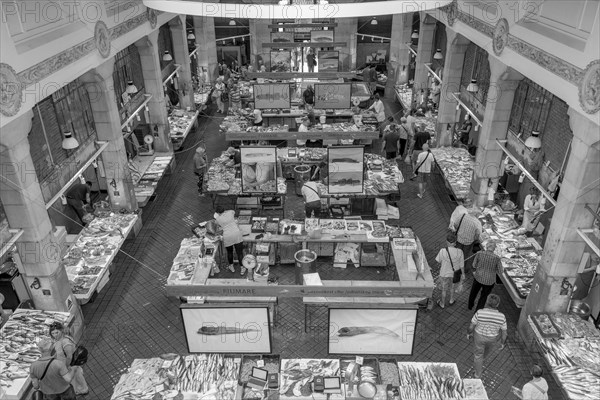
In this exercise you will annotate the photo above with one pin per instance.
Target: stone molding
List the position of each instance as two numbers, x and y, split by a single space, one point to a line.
589 88
12 91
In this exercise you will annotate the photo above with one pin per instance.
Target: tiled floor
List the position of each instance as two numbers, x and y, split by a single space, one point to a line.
133 318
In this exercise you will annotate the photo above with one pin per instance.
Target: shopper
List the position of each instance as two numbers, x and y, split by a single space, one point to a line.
312 199
435 93
64 347
232 236
537 387
533 207
411 122
367 77
379 110
77 197
458 212
486 265
200 164
50 375
311 60
373 82
391 141
451 260
423 169
226 74
422 137
404 134
488 328
303 128
218 93
309 95
235 99
468 230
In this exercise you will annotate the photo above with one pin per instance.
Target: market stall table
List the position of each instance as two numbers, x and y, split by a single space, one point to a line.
88 259
19 349
404 95
456 165
201 97
181 123
149 171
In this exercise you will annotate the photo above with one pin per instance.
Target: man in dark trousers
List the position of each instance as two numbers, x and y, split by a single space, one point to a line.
421 137
78 196
486 265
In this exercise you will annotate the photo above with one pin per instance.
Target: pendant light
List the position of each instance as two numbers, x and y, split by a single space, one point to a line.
415 34
374 21
438 55
534 141
69 142
473 87
231 22
131 89
167 56
191 35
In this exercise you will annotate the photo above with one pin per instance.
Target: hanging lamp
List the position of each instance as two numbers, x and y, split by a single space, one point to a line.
438 55
131 88
167 56
473 86
534 141
69 142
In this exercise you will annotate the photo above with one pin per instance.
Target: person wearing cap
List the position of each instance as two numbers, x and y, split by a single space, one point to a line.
303 128
486 265
64 347
200 164
537 387
51 376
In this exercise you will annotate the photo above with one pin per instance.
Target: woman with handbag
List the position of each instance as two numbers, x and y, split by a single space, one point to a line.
452 264
64 347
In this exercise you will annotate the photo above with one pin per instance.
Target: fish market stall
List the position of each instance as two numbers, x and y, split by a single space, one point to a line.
571 348
201 96
404 96
19 350
149 171
520 255
207 376
88 259
181 123
456 165
340 132
425 380
297 376
270 363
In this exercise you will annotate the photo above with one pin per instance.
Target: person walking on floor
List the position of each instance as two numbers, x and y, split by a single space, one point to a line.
379 110
468 230
421 138
218 94
458 212
51 376
311 60
488 328
232 236
486 265
200 164
451 260
78 196
537 387
312 199
404 133
391 141
64 347
423 169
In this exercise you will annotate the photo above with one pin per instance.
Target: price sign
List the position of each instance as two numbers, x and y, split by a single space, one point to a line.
260 363
359 360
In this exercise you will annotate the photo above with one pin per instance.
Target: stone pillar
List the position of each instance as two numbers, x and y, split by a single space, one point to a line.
564 247
181 54
453 65
25 208
503 83
204 30
99 84
346 32
148 48
259 34
424 51
399 54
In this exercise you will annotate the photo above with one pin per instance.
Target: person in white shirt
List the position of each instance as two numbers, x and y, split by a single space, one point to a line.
423 168
258 119
303 128
312 199
451 260
379 110
533 207
537 388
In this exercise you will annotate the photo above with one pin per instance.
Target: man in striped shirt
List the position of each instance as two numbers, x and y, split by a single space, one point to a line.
468 230
486 265
488 328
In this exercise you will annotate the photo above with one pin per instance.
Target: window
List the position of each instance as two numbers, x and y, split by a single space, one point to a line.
128 66
73 110
530 108
476 66
165 43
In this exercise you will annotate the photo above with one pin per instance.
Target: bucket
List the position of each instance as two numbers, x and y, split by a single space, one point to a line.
581 309
306 262
301 175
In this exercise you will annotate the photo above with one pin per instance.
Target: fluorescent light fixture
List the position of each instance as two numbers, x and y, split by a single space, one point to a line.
69 142
534 141
438 55
167 56
374 21
473 87
415 35
131 89
191 35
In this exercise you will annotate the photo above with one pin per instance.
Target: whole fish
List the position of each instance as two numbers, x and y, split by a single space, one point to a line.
223 330
365 330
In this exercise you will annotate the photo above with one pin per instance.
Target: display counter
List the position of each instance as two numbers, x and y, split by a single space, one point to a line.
88 259
149 170
404 95
456 166
201 97
19 349
181 123
571 348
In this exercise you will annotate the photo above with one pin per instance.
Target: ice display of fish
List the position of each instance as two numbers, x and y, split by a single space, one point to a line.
349 331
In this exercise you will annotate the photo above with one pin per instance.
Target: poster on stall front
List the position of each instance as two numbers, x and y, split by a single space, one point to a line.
259 169
346 166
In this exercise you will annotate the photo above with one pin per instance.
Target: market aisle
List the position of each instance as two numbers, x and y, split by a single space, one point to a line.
133 318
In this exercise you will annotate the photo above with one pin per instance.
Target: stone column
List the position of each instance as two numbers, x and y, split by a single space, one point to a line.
346 32
259 34
148 48
453 65
399 54
564 248
181 55
99 84
503 83
25 208
424 51
204 30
